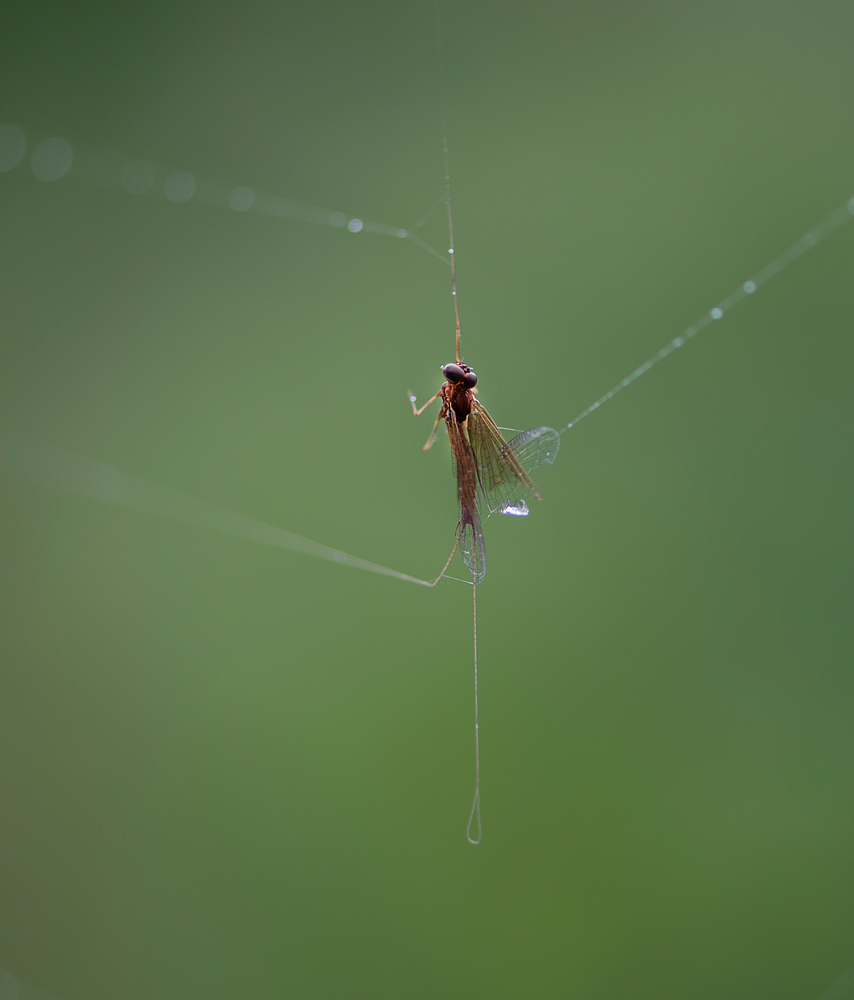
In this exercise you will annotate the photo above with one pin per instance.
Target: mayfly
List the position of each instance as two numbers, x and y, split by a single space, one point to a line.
485 464
487 467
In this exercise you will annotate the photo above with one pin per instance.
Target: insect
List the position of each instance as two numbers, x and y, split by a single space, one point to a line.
484 463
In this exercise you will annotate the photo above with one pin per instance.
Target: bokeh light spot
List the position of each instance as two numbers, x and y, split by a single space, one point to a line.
52 159
180 186
241 199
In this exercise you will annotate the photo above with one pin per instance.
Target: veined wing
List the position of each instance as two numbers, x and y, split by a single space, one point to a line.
471 544
502 466
470 533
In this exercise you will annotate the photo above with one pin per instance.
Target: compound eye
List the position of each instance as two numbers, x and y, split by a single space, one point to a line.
470 380
453 373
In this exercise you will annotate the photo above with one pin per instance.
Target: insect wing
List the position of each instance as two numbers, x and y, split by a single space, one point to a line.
471 544
535 447
502 467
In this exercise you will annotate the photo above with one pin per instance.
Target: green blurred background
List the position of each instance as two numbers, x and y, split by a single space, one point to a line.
229 770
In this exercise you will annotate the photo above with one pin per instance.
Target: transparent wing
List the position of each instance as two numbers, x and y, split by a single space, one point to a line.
471 544
502 467
538 446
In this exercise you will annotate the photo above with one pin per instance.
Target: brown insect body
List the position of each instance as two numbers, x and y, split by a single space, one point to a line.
457 403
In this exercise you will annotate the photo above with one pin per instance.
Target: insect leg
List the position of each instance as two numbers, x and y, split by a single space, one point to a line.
432 437
418 412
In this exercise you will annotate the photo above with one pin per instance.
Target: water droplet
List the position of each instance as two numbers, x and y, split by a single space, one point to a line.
518 508
355 225
717 313
749 287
